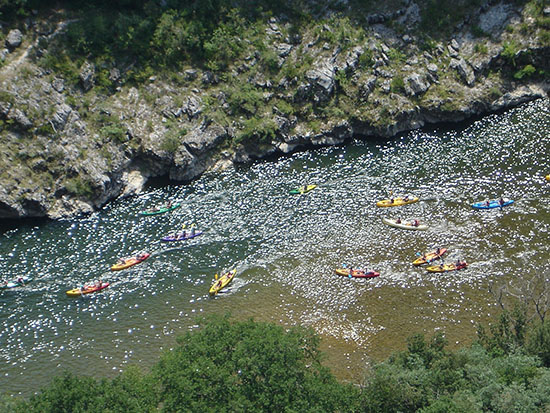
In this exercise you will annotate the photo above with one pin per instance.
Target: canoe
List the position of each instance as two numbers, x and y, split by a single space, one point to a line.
302 190
181 237
15 283
222 282
128 262
430 256
159 210
404 225
88 289
396 202
356 273
492 204
446 267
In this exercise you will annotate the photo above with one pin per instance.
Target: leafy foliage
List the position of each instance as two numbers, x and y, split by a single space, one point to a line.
248 366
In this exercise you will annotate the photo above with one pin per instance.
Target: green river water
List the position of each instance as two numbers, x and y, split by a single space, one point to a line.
285 249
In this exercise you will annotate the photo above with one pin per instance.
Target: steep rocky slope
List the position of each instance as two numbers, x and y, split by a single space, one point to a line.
71 145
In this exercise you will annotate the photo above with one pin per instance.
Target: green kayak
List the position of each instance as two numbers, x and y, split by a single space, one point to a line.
302 189
161 210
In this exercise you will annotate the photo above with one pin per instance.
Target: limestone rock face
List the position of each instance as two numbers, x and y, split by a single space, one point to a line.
86 76
70 147
415 85
14 39
464 70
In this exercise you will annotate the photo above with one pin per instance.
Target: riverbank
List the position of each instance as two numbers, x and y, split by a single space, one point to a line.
80 131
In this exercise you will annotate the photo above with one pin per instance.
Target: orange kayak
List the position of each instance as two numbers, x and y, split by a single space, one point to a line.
88 289
128 262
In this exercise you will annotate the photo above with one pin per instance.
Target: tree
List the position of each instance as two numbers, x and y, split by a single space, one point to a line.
249 366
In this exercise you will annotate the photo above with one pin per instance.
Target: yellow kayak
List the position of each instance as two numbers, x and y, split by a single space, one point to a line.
302 189
548 177
446 267
396 202
128 262
222 282
430 256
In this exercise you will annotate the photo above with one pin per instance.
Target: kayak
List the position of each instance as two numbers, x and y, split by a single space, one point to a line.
430 256
15 283
128 262
222 282
548 177
396 202
88 289
404 225
302 190
446 267
159 210
356 273
492 204
181 237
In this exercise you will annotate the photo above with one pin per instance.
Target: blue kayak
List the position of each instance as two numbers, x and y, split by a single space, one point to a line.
495 203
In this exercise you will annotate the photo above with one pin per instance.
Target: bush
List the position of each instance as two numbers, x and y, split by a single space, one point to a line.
244 99
79 187
527 71
257 130
397 84
249 366
114 131
509 51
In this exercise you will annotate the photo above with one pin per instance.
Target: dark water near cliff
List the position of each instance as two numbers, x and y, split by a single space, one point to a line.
285 249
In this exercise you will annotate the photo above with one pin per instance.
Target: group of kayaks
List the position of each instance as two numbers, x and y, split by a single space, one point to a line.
226 278
414 224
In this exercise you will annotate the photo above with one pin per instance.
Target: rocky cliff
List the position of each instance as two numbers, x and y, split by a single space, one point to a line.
70 144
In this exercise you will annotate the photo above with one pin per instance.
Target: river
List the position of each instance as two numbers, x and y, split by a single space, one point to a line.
285 248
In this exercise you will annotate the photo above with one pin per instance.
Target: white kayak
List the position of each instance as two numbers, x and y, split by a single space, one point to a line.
405 224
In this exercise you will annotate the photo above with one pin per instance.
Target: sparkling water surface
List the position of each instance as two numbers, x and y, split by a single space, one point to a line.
285 249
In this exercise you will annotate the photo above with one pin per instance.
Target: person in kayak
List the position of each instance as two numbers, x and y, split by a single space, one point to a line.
416 223
398 220
406 198
501 201
20 280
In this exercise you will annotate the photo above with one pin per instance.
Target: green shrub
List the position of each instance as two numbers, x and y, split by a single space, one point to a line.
527 71
114 131
80 187
397 84
509 51
172 140
396 56
244 99
481 48
46 129
256 130
366 59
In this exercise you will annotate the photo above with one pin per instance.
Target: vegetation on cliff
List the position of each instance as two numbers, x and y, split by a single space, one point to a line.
95 90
